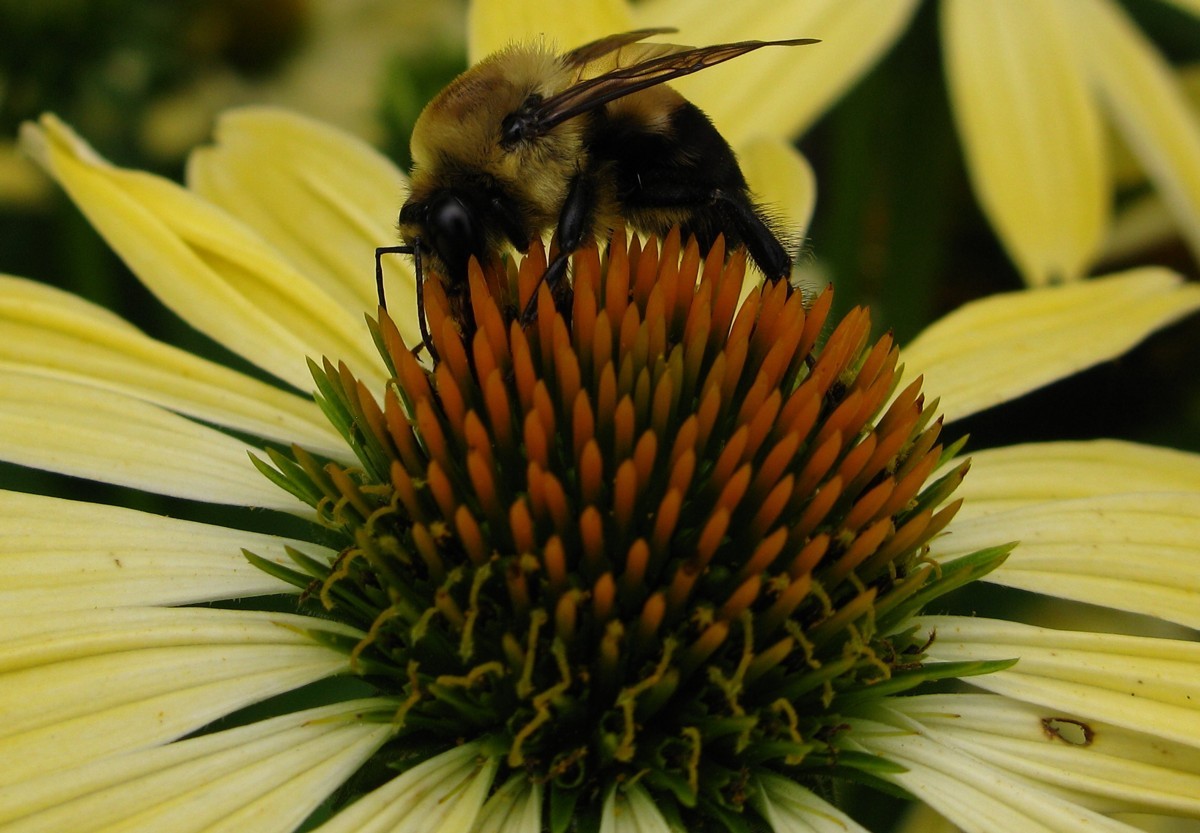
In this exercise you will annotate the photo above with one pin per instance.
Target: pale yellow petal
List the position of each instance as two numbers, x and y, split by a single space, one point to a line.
1003 479
100 435
320 196
778 91
1134 552
1108 767
631 810
442 795
22 185
77 688
1148 105
1190 6
996 349
1157 823
66 555
493 24
1140 683
211 269
782 181
265 776
969 790
514 808
1031 131
787 806
45 331
919 817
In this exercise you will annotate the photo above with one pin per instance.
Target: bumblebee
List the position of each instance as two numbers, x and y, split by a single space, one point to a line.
528 141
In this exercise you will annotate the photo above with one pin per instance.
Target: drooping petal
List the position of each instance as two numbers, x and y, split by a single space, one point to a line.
493 24
66 555
46 331
87 432
779 92
1109 768
1004 479
1031 131
1144 684
1134 552
631 811
995 349
1148 105
441 795
77 688
790 808
211 269
266 776
271 169
976 795
514 808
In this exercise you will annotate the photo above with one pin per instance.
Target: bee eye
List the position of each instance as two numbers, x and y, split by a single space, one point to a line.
454 231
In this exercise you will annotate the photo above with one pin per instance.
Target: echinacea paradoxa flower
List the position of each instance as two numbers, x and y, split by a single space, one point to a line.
657 561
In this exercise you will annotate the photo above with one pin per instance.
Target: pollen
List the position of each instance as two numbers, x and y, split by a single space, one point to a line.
657 533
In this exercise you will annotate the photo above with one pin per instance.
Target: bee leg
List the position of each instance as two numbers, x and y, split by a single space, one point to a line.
415 251
379 253
757 236
426 340
574 221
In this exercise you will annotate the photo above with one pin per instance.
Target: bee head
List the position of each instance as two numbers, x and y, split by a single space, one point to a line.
481 130
449 227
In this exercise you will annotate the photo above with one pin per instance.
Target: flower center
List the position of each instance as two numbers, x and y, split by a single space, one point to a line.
655 535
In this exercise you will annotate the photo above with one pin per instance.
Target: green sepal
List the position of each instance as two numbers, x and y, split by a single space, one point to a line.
845 761
466 708
343 408
279 571
906 680
769 750
794 687
414 750
732 821
954 574
315 568
953 450
671 813
562 807
936 493
332 402
351 602
342 643
868 778
673 783
714 728
289 477
377 338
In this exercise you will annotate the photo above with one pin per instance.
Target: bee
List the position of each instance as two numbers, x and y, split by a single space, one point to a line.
528 141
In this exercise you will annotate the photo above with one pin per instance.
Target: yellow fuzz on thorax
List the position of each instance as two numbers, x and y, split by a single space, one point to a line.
456 140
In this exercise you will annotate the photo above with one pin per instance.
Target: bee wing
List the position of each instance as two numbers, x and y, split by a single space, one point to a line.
621 81
589 52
